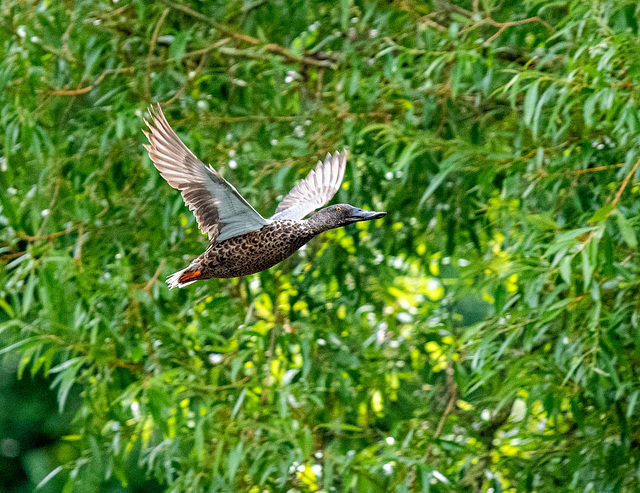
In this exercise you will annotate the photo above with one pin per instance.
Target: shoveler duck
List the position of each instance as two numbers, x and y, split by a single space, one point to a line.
243 242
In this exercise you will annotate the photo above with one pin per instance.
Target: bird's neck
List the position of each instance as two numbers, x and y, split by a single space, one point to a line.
317 224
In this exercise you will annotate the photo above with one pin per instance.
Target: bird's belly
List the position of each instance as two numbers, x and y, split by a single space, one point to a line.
243 265
243 255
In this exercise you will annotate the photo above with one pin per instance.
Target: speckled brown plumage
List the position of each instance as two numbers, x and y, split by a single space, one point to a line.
253 252
243 242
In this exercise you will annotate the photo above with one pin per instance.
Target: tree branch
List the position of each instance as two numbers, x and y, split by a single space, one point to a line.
270 47
504 25
624 184
152 48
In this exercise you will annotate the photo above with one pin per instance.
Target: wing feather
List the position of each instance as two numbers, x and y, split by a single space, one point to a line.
218 207
316 190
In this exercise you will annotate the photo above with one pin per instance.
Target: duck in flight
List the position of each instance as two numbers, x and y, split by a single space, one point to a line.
243 242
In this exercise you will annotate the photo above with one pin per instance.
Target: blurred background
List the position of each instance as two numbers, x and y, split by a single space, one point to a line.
483 337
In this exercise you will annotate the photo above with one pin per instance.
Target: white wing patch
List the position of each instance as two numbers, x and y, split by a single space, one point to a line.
218 207
316 190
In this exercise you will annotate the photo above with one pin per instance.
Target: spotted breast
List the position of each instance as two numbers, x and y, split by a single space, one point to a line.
255 251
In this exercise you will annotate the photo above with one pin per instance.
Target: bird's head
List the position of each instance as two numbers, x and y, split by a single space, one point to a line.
339 215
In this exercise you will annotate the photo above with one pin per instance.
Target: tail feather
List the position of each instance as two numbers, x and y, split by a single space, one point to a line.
183 278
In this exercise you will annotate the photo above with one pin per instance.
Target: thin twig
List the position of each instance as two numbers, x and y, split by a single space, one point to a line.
580 171
270 47
460 10
202 51
211 388
65 42
250 118
519 158
49 236
156 275
272 341
220 27
320 85
431 23
8 257
624 184
597 168
77 251
152 48
453 396
286 118
112 13
58 52
184 86
504 25
278 50
445 414
83 90
272 350
137 367
54 197
593 233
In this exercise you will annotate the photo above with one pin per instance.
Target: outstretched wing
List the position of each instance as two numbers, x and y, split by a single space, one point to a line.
220 210
316 190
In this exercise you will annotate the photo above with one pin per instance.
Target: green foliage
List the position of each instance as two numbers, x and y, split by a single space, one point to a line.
482 337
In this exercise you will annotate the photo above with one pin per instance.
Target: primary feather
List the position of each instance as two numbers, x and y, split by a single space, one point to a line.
220 210
315 191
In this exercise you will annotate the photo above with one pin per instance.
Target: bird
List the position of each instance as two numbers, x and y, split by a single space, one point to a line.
241 241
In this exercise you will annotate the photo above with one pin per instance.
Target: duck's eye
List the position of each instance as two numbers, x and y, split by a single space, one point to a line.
338 209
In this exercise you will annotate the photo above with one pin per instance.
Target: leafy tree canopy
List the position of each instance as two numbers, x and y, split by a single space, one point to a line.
482 337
